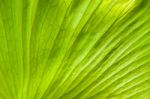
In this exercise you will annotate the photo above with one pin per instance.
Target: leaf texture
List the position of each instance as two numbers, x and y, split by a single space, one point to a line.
74 49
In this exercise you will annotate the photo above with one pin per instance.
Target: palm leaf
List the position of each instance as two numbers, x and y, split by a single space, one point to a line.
74 49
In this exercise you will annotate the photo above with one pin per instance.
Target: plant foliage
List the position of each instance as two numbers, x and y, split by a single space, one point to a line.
74 49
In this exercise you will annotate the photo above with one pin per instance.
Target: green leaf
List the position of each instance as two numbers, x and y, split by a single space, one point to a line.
74 49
